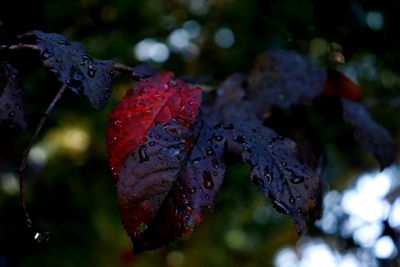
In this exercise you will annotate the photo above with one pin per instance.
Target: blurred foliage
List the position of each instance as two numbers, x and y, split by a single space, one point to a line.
70 191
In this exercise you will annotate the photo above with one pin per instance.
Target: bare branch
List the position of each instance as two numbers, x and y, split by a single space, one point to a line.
22 165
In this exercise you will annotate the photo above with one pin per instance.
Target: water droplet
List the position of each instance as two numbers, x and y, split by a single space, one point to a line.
142 227
296 179
11 114
291 200
215 163
174 151
77 76
196 160
64 42
86 59
192 190
208 182
283 163
8 106
218 138
280 207
240 139
91 70
176 139
247 149
215 173
152 143
118 123
188 208
210 151
17 107
299 211
143 154
42 237
46 54
157 136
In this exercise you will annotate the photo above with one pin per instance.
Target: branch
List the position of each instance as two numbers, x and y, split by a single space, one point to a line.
129 70
22 165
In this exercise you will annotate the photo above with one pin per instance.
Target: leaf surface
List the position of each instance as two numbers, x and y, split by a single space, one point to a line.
167 184
70 62
154 100
12 106
372 136
284 78
293 188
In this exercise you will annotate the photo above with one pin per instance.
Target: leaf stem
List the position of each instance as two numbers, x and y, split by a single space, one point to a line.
22 165
129 70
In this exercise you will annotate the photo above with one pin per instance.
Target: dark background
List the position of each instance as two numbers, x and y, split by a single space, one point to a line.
70 191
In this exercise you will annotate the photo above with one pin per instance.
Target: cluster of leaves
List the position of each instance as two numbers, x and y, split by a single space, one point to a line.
166 146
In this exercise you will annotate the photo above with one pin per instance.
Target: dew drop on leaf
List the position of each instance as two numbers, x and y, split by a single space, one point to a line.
240 139
279 206
210 151
192 190
143 154
218 138
297 179
208 182
41 237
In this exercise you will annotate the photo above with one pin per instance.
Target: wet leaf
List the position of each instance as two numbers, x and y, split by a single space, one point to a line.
284 78
12 106
296 125
145 71
167 184
73 66
293 188
372 136
154 100
231 101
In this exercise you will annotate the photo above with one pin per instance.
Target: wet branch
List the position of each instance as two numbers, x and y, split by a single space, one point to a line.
22 165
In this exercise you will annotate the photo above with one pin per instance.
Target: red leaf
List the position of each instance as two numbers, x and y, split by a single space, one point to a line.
339 84
153 100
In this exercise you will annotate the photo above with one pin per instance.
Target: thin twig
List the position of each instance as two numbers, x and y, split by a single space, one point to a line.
121 67
22 166
129 70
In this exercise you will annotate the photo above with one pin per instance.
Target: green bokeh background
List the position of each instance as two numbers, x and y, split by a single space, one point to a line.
72 195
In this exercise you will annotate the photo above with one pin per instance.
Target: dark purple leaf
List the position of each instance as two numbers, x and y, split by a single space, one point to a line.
167 184
372 136
145 71
293 188
296 125
232 102
284 78
12 107
72 65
